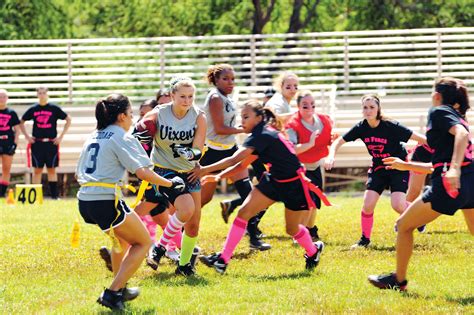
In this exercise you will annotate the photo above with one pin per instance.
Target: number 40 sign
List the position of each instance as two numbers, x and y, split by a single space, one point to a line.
29 194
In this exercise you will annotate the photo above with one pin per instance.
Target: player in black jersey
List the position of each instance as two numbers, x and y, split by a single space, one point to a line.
383 138
452 175
44 140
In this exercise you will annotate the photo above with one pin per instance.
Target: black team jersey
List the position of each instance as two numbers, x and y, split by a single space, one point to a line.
44 119
8 119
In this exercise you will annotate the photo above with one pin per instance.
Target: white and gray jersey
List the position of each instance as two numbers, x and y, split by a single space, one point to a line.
229 113
171 131
278 104
293 137
105 156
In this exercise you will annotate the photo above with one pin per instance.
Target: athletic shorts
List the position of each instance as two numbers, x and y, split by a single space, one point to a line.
317 179
153 195
440 200
421 154
290 193
212 156
7 149
172 194
382 179
103 213
258 169
44 153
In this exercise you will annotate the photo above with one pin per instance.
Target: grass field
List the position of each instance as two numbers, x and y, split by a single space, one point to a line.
41 273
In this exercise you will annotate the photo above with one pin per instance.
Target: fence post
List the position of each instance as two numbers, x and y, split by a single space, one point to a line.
253 55
69 73
346 63
439 52
162 64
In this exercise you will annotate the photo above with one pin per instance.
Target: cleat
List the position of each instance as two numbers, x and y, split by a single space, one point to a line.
314 233
313 261
173 255
260 234
112 299
209 260
220 266
257 244
186 270
193 260
130 293
388 281
422 229
155 254
227 208
363 242
106 256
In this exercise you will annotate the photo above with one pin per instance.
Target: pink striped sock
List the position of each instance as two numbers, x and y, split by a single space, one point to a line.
173 227
366 222
150 226
236 233
304 239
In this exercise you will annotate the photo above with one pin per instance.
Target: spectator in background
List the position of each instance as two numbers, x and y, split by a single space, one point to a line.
163 96
286 85
44 141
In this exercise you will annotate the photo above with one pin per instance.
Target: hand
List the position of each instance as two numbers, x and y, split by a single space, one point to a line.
328 163
143 136
334 136
184 152
12 149
452 182
58 140
313 136
30 140
195 173
208 179
394 163
177 183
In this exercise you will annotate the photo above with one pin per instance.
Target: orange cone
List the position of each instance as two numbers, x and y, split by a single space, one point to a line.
10 197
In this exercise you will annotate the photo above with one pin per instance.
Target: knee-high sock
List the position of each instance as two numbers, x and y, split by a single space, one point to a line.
174 226
304 239
244 187
53 188
150 226
236 233
175 241
3 187
366 223
187 247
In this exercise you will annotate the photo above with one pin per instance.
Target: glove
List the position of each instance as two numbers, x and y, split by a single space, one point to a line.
189 154
143 136
12 149
177 183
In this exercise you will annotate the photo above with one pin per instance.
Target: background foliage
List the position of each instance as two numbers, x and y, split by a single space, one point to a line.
42 19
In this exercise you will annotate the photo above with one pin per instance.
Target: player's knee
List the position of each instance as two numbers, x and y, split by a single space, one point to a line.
291 229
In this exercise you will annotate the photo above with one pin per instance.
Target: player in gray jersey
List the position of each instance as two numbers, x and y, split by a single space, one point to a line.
106 154
178 130
286 85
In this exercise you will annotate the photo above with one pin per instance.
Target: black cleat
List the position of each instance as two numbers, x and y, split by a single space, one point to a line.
422 229
106 256
209 260
186 270
363 242
112 299
256 243
314 233
220 266
227 207
388 281
313 261
130 293
154 256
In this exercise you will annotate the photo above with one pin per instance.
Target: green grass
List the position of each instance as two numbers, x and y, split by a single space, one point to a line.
41 273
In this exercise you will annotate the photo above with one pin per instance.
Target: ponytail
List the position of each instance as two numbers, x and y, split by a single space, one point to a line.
108 109
453 91
268 116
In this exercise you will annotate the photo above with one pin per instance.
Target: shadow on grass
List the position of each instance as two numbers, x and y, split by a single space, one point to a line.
445 232
246 255
172 280
284 276
277 237
462 301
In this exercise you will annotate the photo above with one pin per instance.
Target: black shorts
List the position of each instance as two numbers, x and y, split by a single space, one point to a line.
258 169
290 193
317 179
421 154
172 194
212 156
153 195
44 153
382 179
441 202
103 213
7 149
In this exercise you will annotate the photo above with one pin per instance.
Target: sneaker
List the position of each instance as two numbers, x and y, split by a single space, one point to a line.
186 270
112 299
422 229
154 256
220 266
256 243
314 233
194 256
260 234
388 281
130 293
210 259
313 261
363 242
226 209
106 256
173 255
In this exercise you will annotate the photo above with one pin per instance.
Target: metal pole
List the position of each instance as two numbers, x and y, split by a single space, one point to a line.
346 63
162 64
69 72
253 55
439 54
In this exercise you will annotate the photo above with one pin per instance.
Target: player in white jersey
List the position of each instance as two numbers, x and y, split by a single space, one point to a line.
178 130
286 85
106 155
